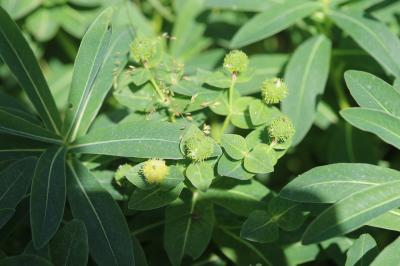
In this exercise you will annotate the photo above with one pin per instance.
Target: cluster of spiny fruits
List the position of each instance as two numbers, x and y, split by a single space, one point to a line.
163 74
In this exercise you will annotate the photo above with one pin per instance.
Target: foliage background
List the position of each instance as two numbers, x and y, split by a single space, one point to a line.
200 33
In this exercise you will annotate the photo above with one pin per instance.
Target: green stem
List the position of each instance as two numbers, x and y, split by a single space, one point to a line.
230 104
147 228
157 89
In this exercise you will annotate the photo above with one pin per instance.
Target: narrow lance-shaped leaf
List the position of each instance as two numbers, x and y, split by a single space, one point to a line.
384 125
306 77
12 147
48 194
362 252
330 183
108 233
90 60
372 92
353 212
70 245
373 36
15 181
275 19
18 126
16 53
389 256
141 139
114 61
188 228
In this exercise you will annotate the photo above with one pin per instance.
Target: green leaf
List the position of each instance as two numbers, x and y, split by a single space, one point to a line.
239 5
153 198
12 147
287 214
234 145
232 168
70 245
374 37
42 24
189 31
261 159
353 212
18 126
140 76
239 197
372 92
259 112
330 183
362 252
297 254
15 181
24 260
18 9
389 256
306 76
389 221
16 53
48 194
141 139
260 227
200 175
88 71
109 239
243 252
5 215
277 18
43 252
140 256
382 124
74 21
188 228
240 116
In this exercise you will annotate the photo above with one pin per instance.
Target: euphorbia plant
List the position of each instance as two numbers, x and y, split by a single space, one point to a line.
172 161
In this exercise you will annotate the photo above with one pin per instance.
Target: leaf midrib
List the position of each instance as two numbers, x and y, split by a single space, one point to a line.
94 211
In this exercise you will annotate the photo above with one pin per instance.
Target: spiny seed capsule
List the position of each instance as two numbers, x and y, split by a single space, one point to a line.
143 49
154 171
236 62
274 90
199 147
281 129
121 172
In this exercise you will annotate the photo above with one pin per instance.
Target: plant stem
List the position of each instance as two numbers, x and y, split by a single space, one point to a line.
157 89
147 228
230 104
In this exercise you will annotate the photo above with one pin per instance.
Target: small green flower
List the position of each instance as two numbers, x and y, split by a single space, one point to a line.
236 62
274 90
154 171
281 129
199 147
143 49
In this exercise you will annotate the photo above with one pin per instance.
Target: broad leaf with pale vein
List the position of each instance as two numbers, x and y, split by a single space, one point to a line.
140 139
108 233
48 195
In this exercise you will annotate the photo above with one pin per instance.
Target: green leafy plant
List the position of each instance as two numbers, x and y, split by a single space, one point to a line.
199 132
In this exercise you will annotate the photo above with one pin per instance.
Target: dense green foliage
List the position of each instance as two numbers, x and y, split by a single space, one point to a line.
199 132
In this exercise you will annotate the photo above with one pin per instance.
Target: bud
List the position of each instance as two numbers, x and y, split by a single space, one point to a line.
281 129
274 90
154 171
199 147
143 49
236 62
